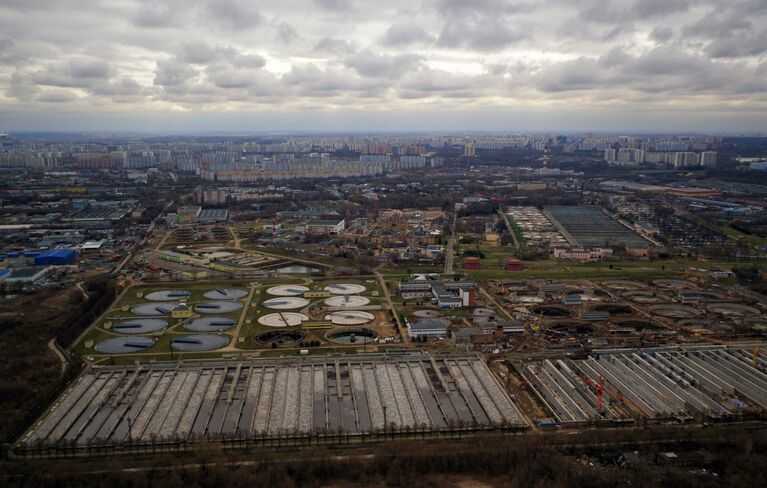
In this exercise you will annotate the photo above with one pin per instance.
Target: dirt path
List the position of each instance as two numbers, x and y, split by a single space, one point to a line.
53 346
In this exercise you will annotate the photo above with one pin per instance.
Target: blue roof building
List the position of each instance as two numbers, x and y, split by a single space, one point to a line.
56 257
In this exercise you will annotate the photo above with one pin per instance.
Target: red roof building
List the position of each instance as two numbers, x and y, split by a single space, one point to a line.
471 263
514 265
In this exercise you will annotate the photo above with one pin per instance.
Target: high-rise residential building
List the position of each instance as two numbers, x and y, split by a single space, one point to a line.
470 150
708 158
609 154
625 154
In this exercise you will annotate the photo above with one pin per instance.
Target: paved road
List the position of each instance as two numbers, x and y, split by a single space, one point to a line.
495 302
233 346
143 242
506 219
387 296
450 246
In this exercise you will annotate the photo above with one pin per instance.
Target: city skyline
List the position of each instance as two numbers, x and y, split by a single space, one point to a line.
338 65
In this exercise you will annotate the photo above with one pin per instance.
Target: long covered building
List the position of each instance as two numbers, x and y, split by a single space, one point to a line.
268 398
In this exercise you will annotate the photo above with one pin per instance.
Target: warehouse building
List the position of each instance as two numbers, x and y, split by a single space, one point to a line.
56 257
428 327
448 294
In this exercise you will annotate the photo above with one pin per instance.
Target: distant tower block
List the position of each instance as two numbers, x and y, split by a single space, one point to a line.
546 156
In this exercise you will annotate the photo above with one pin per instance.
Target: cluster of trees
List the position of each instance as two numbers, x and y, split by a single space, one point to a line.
30 374
738 456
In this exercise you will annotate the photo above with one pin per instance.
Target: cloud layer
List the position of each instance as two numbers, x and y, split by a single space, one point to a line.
203 57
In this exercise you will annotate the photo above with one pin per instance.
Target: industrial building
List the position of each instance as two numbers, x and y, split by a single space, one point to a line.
323 226
428 327
590 227
660 383
447 294
56 257
274 398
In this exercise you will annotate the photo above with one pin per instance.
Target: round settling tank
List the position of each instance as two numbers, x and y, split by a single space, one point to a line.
210 324
199 342
217 307
226 294
124 345
140 326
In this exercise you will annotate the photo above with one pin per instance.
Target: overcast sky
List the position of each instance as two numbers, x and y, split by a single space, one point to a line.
226 65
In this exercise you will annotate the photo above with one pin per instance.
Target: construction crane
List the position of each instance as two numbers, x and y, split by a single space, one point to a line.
537 324
755 359
599 387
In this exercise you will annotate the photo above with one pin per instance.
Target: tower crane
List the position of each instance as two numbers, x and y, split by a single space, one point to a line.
599 388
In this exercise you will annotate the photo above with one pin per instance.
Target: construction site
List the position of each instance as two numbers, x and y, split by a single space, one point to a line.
695 383
618 313
172 402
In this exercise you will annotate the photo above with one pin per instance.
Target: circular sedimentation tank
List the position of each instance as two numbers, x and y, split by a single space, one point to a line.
281 337
210 324
345 289
733 309
347 301
572 327
124 345
217 307
638 324
287 290
759 324
483 312
614 308
226 294
673 284
698 295
674 311
646 297
623 285
352 336
168 295
140 326
427 314
440 321
286 303
695 323
283 319
526 299
199 342
150 309
552 311
352 317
